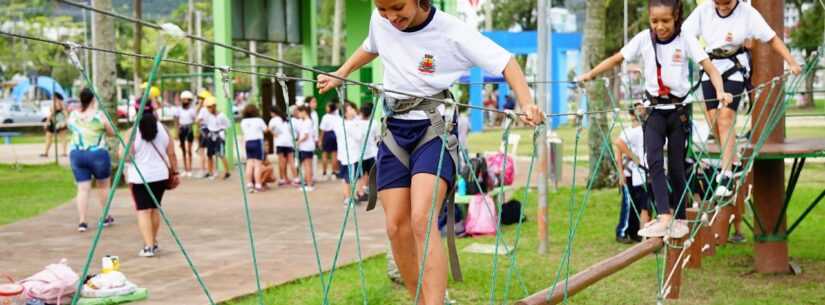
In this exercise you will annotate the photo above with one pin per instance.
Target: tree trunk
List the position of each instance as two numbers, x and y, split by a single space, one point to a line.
104 66
807 100
594 35
337 31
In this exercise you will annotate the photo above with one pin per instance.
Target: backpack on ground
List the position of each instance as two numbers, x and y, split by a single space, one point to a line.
510 212
55 284
481 216
495 166
477 171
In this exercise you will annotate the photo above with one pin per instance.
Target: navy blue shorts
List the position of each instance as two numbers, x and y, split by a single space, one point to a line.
214 147
391 173
185 134
733 87
90 163
255 150
203 139
284 151
303 155
330 143
358 172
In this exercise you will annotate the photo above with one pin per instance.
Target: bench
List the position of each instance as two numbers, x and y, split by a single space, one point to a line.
7 135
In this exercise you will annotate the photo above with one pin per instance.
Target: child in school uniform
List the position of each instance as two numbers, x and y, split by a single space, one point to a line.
725 26
423 51
216 125
630 161
304 129
350 135
253 128
371 151
664 52
279 126
329 143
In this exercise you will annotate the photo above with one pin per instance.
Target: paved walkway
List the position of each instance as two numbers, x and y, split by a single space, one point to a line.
209 218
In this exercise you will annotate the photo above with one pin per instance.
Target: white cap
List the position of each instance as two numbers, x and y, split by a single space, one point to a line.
186 94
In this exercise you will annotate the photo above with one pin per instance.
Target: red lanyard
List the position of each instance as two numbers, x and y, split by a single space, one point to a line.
664 91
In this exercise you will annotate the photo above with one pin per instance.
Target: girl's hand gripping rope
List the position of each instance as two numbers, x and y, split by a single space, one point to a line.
326 82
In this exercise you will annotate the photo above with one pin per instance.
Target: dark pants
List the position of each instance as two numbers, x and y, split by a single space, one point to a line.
634 201
667 125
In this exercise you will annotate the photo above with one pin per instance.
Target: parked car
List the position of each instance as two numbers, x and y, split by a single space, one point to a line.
20 113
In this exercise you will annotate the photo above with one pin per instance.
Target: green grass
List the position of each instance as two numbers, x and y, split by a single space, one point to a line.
726 278
819 108
29 138
28 190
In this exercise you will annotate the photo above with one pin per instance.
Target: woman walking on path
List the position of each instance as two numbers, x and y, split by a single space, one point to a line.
153 154
89 157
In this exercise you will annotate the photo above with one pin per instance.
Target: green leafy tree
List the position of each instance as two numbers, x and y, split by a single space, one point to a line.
807 36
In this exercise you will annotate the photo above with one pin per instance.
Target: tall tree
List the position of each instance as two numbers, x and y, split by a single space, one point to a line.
104 71
807 36
594 52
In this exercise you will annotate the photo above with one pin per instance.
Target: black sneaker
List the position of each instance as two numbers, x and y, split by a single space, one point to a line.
146 252
737 238
82 227
155 248
624 240
226 176
362 198
109 221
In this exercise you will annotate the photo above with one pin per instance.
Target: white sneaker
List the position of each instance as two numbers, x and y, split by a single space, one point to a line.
146 252
725 186
308 188
673 229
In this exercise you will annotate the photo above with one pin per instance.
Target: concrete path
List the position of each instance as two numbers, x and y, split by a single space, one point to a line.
208 216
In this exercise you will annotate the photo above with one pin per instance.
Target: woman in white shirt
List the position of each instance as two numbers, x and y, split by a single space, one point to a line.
153 154
253 128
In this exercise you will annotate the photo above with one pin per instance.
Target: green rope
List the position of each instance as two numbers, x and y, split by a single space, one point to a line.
506 140
435 193
303 189
536 132
247 215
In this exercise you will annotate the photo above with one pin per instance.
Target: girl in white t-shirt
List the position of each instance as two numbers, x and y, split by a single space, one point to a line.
328 141
372 139
424 52
253 128
664 53
185 115
350 135
725 26
302 122
281 131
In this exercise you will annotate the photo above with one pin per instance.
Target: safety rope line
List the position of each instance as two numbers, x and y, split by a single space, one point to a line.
76 62
508 125
513 267
225 78
437 182
351 171
302 180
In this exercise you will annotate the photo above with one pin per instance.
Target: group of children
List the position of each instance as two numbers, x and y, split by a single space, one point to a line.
211 136
664 50
341 135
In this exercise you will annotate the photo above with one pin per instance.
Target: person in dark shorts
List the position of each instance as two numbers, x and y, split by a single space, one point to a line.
185 119
153 156
329 144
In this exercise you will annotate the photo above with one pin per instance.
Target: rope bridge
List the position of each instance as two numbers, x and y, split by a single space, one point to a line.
709 208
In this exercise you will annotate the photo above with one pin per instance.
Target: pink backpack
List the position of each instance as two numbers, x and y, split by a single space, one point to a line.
481 216
495 165
55 284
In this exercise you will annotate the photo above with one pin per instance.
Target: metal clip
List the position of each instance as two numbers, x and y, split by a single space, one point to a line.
71 51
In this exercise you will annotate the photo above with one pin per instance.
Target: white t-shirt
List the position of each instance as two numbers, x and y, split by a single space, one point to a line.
727 33
349 145
281 130
673 56
372 138
463 130
315 122
303 128
185 116
151 164
202 116
329 121
429 60
634 139
216 122
253 128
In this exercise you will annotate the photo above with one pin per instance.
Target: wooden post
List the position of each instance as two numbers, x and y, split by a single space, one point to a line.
770 256
673 272
705 239
594 273
721 226
694 253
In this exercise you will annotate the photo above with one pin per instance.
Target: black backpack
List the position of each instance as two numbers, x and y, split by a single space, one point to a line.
510 211
479 170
